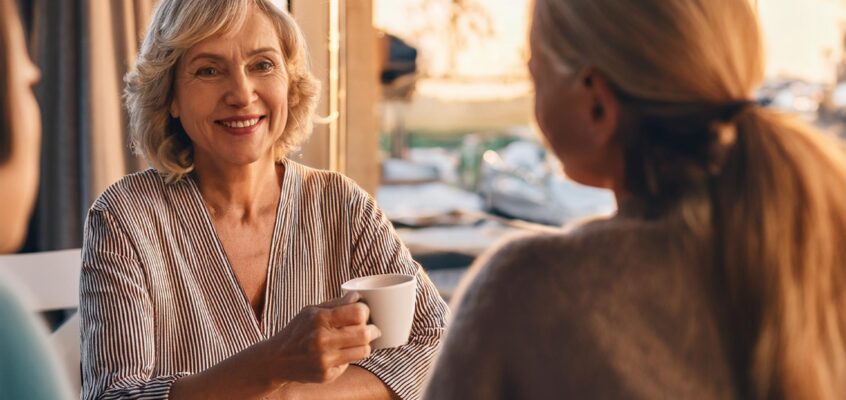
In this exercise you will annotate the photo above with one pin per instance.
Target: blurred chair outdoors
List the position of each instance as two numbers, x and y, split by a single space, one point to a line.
51 279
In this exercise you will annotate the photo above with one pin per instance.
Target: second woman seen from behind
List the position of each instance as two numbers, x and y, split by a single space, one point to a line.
723 274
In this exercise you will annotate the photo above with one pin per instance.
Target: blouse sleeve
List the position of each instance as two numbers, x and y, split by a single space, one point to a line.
377 249
117 317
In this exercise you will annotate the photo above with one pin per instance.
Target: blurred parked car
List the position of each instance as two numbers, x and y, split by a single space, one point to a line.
523 181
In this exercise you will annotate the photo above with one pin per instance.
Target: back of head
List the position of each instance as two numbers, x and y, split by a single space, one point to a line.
764 190
661 50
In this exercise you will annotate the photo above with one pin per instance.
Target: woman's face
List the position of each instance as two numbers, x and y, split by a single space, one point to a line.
572 111
231 94
23 75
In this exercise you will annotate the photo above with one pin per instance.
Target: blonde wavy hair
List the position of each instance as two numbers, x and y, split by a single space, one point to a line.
176 26
761 193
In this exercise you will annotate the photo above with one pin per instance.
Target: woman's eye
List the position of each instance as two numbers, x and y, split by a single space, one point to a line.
264 66
207 72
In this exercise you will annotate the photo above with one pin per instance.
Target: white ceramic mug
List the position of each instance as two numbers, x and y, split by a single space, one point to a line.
391 300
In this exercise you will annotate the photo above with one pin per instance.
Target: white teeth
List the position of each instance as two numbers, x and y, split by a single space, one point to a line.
241 124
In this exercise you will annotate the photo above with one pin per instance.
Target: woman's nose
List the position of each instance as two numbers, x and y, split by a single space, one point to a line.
241 91
33 75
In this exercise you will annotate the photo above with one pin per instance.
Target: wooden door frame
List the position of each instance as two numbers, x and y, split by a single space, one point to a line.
342 43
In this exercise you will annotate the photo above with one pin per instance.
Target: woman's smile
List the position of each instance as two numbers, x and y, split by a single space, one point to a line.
241 125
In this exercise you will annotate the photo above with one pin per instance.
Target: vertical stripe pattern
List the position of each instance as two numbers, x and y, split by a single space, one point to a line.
159 300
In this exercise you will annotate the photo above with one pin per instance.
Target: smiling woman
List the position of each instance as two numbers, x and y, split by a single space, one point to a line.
230 94
218 273
156 129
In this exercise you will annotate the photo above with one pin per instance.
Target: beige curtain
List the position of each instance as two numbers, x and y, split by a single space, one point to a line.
84 48
115 28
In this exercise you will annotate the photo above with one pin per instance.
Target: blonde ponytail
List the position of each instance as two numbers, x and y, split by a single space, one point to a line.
779 209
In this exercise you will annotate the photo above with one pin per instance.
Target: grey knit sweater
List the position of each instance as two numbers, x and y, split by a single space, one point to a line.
613 309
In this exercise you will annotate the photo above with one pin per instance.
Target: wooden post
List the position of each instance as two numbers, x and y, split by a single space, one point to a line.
362 95
313 18
349 142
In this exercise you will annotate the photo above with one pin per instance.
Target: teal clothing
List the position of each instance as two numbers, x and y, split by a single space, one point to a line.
28 369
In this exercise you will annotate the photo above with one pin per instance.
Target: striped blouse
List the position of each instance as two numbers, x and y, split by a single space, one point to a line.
159 300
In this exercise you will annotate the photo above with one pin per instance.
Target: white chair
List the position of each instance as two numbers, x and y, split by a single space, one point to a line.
52 281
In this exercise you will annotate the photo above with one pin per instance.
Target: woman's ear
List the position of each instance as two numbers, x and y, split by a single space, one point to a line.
604 112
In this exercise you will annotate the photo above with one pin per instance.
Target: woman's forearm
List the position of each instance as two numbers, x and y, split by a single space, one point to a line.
242 376
354 384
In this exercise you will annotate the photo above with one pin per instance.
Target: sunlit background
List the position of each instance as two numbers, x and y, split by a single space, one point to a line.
462 165
804 38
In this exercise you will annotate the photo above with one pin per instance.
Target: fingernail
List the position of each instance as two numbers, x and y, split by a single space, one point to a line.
376 332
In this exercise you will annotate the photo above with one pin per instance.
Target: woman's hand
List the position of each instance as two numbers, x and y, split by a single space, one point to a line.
316 347
320 342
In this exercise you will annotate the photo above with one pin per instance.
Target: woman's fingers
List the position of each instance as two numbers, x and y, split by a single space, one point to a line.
353 354
344 311
322 340
348 355
329 340
354 336
336 348
349 298
349 314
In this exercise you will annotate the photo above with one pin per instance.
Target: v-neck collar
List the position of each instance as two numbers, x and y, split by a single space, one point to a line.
209 235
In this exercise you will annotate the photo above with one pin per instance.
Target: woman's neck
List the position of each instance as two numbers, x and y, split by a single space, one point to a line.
242 192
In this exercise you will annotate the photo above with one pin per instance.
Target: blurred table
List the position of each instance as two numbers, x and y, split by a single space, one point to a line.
446 252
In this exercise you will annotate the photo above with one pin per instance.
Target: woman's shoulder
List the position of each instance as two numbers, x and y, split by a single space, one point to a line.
597 253
318 181
142 189
575 246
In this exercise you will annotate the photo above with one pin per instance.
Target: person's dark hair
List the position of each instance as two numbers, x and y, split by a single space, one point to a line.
6 6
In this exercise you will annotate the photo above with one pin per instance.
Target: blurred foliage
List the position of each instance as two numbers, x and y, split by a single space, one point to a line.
465 22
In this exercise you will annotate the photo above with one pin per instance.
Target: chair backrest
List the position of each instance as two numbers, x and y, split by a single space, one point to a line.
51 279
67 342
